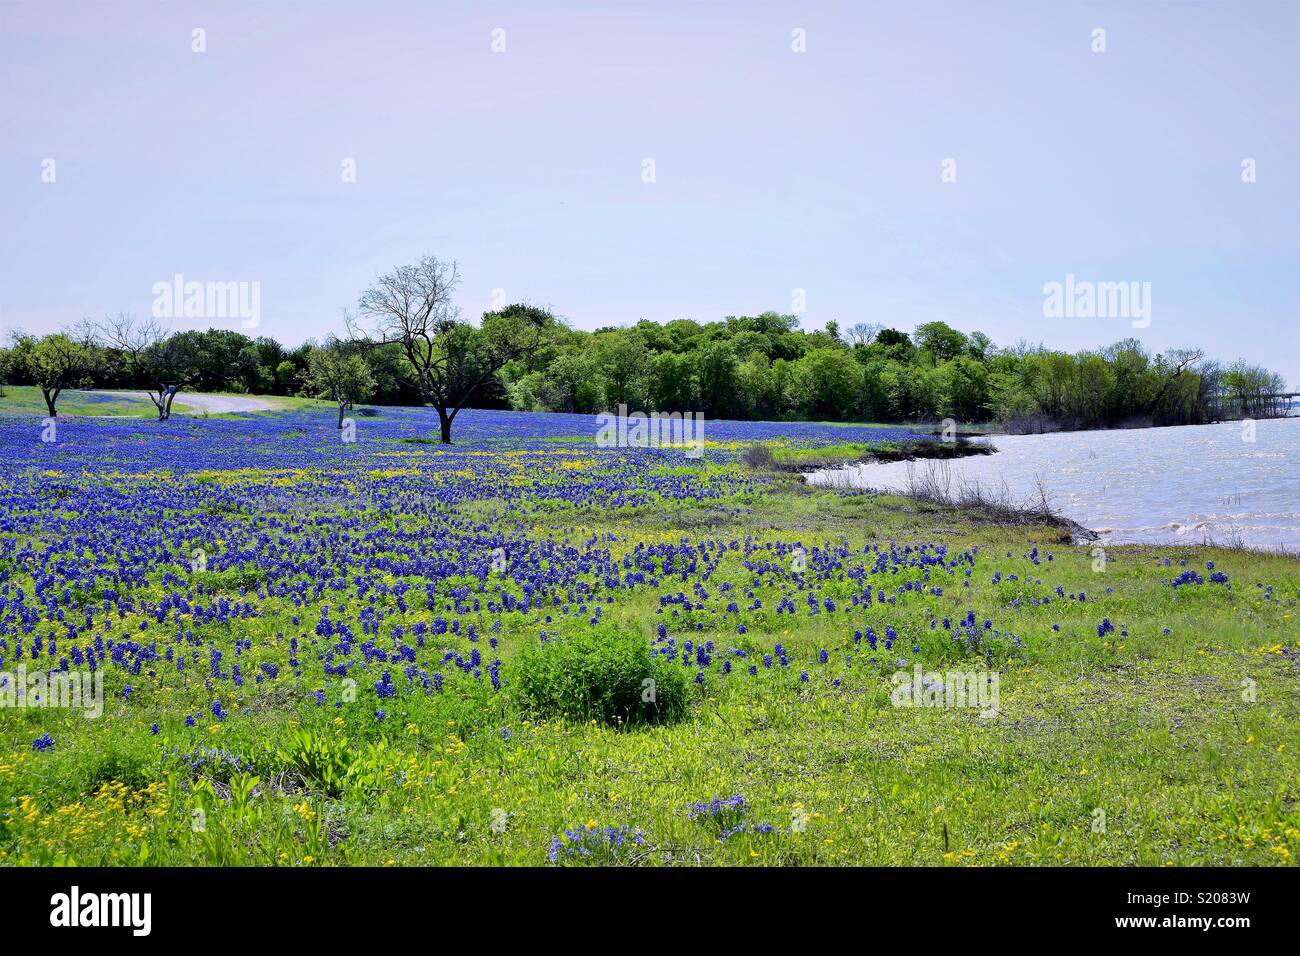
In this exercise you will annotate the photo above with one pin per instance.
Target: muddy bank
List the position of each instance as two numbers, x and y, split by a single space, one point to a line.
924 448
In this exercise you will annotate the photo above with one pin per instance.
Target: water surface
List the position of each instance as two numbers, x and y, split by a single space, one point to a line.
1182 485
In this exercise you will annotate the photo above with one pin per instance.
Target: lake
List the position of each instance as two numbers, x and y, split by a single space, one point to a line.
1182 485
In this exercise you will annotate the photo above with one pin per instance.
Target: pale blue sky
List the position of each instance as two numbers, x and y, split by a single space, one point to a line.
775 170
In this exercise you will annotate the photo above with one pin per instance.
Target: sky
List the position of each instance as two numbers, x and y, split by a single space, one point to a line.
889 163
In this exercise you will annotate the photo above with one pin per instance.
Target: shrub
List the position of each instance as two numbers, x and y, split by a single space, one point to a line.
129 766
322 760
604 675
759 456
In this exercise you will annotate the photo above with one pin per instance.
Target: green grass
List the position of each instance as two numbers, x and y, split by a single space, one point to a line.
27 400
1151 733
848 451
806 458
865 424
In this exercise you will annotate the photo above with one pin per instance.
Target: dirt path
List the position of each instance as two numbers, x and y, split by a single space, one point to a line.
211 403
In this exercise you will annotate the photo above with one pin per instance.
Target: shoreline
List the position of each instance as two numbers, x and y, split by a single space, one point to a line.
801 462
1120 519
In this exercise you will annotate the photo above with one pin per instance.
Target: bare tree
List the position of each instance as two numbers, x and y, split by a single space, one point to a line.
157 356
1177 400
1182 360
863 333
412 306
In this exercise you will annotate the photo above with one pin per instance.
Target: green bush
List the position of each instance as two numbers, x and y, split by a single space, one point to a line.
322 760
605 675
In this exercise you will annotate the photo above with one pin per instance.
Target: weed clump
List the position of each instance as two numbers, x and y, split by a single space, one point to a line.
759 457
606 675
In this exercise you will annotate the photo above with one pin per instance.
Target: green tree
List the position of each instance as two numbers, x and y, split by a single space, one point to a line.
624 365
888 337
826 385
715 375
940 340
911 391
574 383
340 375
672 383
58 361
285 375
394 379
758 394
963 388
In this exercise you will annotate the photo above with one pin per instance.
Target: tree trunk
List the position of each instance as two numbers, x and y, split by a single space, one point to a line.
51 396
342 405
444 422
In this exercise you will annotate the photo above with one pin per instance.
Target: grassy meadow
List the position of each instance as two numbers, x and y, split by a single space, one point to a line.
27 400
353 664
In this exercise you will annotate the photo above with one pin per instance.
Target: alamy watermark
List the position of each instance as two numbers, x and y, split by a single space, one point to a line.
133 911
655 430
179 299
65 690
1084 299
977 690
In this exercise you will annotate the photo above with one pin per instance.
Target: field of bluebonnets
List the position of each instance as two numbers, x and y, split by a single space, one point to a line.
526 649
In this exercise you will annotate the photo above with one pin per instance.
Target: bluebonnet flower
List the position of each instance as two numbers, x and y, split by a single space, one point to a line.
601 844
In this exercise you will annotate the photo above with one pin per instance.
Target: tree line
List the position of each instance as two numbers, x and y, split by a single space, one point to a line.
765 367
405 344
